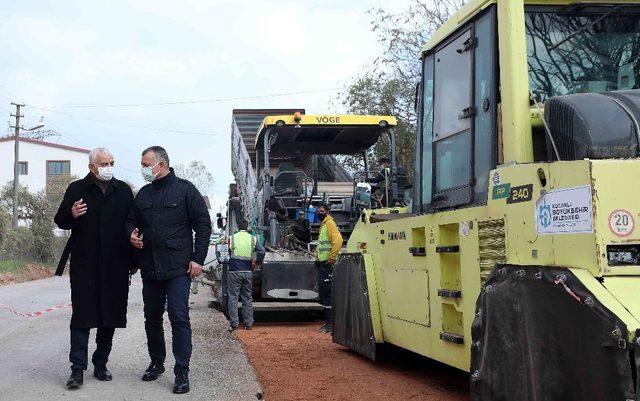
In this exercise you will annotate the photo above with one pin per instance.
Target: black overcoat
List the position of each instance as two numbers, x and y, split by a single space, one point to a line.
100 252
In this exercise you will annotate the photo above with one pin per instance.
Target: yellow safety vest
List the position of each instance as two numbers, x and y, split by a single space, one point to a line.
242 245
324 244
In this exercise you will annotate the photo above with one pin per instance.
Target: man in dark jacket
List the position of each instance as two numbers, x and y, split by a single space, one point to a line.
382 181
95 209
163 218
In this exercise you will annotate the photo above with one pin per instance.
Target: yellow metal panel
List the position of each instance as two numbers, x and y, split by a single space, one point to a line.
573 250
616 194
452 24
618 306
514 82
372 289
407 292
626 289
329 119
524 245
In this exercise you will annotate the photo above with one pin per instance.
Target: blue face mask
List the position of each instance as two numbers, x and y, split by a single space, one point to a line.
147 173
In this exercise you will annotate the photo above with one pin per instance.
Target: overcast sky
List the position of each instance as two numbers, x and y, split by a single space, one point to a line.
60 54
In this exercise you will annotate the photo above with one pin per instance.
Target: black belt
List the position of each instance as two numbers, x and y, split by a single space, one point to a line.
65 256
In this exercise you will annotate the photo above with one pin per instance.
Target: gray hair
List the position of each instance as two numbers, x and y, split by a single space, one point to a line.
93 155
159 152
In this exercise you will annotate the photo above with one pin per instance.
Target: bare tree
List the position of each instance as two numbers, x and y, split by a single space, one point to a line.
42 134
567 54
388 85
403 34
197 173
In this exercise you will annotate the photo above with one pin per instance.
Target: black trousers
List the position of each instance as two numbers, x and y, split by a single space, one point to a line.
324 288
78 354
175 292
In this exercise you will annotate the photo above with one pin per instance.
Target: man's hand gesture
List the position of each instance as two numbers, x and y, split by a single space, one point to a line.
78 209
135 239
194 269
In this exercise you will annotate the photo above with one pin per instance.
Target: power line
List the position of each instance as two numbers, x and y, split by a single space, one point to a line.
128 125
179 102
114 122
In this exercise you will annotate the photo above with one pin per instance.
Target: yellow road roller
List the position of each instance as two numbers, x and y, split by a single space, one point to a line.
518 257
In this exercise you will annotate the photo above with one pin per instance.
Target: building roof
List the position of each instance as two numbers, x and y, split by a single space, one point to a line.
45 143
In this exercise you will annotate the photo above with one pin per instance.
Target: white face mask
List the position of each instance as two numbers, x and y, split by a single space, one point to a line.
105 173
147 173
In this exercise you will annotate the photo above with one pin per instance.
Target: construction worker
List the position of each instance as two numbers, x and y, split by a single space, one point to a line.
382 180
329 245
242 245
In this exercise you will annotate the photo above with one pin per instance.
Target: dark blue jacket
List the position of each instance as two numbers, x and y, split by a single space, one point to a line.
167 212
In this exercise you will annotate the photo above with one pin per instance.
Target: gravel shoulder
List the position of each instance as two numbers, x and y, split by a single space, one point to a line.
295 362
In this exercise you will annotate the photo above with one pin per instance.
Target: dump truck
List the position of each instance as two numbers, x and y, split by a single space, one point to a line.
285 164
519 259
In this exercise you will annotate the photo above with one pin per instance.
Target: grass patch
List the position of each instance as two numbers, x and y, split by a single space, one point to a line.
10 266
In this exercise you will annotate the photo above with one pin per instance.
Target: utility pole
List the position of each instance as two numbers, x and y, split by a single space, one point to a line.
16 164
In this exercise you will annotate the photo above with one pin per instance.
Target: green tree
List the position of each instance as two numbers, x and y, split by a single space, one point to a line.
5 225
54 192
26 201
35 240
42 228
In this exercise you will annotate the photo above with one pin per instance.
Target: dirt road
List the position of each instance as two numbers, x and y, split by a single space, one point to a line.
296 363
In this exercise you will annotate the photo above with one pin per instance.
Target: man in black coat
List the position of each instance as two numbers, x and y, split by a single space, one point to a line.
95 209
163 218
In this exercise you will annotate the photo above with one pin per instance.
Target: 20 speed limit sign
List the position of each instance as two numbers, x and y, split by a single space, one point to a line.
621 223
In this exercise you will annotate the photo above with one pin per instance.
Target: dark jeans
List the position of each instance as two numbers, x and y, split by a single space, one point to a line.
176 293
324 288
78 354
240 286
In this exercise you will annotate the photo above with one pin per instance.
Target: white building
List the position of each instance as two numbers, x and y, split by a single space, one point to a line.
41 161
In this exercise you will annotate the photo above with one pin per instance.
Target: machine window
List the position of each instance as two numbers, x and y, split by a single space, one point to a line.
458 117
452 170
427 132
453 116
583 49
452 90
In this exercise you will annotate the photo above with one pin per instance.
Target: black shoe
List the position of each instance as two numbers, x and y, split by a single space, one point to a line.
153 371
248 327
75 380
102 373
182 383
232 329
